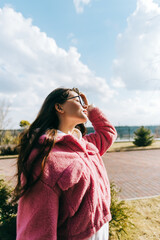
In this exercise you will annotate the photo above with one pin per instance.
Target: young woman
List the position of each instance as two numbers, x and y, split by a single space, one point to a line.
63 188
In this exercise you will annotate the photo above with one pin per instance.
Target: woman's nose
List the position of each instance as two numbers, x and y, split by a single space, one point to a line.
85 106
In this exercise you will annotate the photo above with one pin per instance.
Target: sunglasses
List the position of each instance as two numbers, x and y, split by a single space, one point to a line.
80 99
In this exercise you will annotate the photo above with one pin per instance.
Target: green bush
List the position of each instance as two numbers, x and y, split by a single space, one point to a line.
8 150
8 212
121 216
143 137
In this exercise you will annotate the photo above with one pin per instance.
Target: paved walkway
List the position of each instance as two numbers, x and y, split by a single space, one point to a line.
8 169
137 173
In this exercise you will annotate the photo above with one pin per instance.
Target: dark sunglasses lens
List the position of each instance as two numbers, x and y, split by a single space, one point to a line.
81 100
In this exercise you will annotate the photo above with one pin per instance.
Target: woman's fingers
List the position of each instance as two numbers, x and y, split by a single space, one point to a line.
84 98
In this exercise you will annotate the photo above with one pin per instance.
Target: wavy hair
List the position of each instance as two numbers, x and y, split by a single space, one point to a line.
46 122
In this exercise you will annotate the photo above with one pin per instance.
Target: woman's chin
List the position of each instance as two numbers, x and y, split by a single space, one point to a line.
85 119
85 115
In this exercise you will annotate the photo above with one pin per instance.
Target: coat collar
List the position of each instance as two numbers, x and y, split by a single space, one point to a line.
74 136
75 133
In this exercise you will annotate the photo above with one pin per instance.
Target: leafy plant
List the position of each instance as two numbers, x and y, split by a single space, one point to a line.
24 123
143 137
8 212
8 150
8 138
121 216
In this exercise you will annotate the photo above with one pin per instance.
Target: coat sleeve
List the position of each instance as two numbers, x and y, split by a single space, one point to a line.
105 133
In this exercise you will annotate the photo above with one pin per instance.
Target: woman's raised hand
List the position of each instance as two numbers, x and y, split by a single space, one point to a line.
84 99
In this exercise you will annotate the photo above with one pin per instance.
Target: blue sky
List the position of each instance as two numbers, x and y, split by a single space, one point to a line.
109 49
93 32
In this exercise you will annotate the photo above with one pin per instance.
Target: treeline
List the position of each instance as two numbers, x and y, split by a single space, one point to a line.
127 132
124 132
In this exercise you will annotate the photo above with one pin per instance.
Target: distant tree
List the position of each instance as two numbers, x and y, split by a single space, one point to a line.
143 137
4 111
9 138
24 123
4 119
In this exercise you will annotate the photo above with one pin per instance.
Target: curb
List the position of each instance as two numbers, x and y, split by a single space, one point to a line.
139 198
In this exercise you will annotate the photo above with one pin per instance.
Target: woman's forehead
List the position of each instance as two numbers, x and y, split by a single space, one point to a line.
73 94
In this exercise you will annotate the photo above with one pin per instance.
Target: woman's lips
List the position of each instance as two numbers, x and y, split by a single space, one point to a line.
85 111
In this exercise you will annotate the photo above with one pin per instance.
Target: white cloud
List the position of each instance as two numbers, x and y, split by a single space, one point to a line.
117 82
79 5
32 65
138 49
134 108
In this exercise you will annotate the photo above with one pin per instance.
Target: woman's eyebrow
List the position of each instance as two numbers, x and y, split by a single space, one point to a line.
73 97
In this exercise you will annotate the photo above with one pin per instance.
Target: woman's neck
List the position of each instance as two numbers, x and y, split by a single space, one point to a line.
66 128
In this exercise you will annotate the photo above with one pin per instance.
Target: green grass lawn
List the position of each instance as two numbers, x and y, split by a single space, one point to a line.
129 146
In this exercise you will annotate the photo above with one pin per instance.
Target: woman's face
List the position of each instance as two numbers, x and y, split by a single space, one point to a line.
73 110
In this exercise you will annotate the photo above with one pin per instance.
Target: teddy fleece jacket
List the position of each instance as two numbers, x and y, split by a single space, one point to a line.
71 201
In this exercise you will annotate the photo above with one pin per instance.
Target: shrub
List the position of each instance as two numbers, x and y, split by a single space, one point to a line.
7 138
8 150
143 137
8 212
121 216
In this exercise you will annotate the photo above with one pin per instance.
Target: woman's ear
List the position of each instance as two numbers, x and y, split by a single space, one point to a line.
59 108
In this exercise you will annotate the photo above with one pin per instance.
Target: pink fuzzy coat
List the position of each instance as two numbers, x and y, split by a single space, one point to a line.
72 199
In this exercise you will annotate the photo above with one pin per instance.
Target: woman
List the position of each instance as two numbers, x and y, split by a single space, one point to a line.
62 184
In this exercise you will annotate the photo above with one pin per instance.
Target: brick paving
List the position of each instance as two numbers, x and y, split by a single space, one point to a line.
137 173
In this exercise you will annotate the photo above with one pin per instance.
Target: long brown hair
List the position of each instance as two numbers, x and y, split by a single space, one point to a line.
46 122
